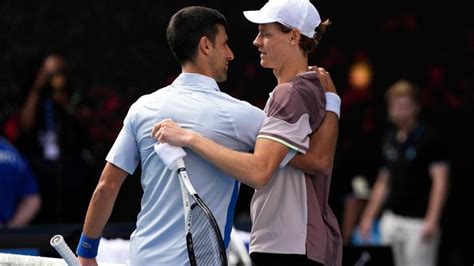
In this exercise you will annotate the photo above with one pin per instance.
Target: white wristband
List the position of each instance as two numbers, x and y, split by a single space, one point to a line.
333 103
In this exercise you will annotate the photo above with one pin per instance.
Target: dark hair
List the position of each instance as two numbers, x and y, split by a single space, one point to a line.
308 45
187 26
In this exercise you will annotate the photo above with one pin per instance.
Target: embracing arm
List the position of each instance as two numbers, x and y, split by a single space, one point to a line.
319 158
254 169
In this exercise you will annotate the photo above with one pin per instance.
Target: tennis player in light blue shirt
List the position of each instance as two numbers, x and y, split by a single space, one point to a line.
195 102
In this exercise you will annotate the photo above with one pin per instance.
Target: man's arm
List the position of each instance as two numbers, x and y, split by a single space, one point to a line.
102 202
319 158
254 169
28 110
439 175
377 197
26 211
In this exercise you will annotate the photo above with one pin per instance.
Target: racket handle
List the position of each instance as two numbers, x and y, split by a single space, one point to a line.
180 163
58 243
170 155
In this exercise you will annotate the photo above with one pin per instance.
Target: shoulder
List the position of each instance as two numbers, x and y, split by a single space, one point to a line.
304 85
283 90
228 101
422 132
10 154
308 83
7 147
226 97
429 134
147 99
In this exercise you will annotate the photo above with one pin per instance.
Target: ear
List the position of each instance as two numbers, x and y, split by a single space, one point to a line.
205 45
295 36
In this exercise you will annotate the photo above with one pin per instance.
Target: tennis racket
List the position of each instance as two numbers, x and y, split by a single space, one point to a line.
58 243
203 237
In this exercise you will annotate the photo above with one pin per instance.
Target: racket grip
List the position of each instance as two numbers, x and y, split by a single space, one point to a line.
58 243
170 155
180 163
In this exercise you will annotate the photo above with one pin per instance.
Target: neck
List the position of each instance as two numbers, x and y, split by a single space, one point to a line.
296 65
405 128
191 67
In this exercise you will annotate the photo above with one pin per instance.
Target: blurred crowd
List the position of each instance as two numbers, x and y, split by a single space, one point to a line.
57 126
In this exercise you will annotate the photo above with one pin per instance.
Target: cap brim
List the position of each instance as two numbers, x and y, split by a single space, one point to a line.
258 17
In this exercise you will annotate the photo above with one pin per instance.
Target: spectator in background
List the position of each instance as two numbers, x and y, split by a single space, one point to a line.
54 143
19 197
412 182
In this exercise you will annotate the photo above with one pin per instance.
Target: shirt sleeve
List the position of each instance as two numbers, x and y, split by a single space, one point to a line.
435 148
124 152
293 113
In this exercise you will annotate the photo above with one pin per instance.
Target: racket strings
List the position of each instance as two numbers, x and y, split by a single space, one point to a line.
205 239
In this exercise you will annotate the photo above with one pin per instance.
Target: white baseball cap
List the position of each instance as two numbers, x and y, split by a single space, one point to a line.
296 14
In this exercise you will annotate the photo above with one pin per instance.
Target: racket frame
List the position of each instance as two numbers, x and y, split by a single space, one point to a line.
184 181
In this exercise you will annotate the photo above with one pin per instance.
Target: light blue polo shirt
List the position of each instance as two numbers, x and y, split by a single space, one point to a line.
195 102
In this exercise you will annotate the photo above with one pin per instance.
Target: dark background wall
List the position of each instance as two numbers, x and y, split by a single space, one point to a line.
117 51
122 44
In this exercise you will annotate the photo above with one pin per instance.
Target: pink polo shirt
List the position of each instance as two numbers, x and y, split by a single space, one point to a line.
291 214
